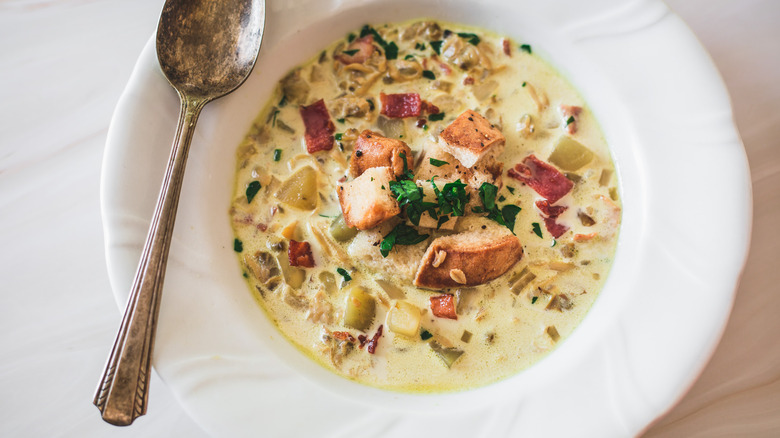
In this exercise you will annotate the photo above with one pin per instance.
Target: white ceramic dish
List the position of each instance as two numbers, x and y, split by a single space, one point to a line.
685 187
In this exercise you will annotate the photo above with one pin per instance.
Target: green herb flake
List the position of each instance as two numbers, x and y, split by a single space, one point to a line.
251 190
501 198
570 120
533 300
511 189
402 234
452 198
429 75
473 39
419 46
553 243
409 57
537 229
276 112
391 49
343 272
409 195
509 213
277 154
425 335
351 37
342 120
245 274
238 246
350 52
526 48
437 163
524 84
436 46
505 215
338 136
436 117
283 101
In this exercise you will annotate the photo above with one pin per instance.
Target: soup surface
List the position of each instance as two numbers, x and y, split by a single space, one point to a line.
425 207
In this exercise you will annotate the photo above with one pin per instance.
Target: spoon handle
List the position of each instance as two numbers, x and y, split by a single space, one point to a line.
123 391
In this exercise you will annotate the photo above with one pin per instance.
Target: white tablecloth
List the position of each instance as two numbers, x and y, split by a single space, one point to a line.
63 65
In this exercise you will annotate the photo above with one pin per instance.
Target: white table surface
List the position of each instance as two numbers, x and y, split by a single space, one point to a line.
63 65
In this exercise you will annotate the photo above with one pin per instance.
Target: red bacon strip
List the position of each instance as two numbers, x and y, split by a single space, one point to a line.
319 127
372 344
554 228
364 47
550 213
545 179
507 47
430 108
401 105
299 254
443 306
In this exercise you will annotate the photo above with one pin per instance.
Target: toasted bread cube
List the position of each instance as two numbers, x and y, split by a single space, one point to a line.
429 195
487 170
367 200
373 150
471 137
469 258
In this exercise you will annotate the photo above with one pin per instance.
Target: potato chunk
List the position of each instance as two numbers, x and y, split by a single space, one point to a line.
404 318
373 150
300 189
367 200
471 137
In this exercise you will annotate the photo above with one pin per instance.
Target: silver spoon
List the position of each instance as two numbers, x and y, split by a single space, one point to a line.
206 49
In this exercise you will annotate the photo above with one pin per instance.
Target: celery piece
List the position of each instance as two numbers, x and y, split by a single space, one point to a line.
340 230
570 155
448 355
360 309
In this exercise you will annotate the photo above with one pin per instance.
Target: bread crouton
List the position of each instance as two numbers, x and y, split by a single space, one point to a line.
469 258
373 150
367 200
426 220
471 137
401 262
487 170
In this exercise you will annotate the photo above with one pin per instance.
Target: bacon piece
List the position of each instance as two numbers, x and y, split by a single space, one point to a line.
507 47
548 210
299 254
585 237
344 336
372 344
364 47
545 179
319 127
401 105
429 107
443 306
570 111
468 80
554 228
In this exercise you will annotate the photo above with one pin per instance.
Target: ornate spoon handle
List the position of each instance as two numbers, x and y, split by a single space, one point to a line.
123 391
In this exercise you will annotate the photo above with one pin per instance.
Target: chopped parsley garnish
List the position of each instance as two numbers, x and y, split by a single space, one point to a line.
402 234
370 104
452 198
437 163
343 272
277 154
570 120
391 49
511 189
429 75
351 37
419 46
553 243
501 198
473 39
533 300
409 195
505 216
283 101
338 136
436 117
537 229
407 173
436 46
350 52
524 84
251 190
425 335
238 246
409 57
276 112
342 120
526 48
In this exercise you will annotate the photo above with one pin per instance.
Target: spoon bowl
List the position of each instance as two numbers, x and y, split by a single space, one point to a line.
206 49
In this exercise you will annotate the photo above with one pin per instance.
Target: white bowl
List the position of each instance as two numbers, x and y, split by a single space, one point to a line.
686 195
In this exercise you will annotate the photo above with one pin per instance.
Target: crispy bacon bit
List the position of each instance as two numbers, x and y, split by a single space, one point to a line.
445 68
545 179
507 47
555 228
584 237
299 254
344 336
421 123
401 105
548 210
468 80
443 306
262 227
570 111
429 107
364 47
372 344
342 179
319 127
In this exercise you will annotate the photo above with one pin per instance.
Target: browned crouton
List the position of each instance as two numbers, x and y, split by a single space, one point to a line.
373 150
469 258
367 200
470 137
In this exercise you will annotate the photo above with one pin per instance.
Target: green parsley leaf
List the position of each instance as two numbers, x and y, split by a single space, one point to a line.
338 136
501 198
504 216
509 213
524 84
343 272
277 154
425 335
391 49
473 39
402 234
429 75
570 120
487 193
533 300
283 101
452 197
407 173
526 48
408 57
419 46
251 190
537 229
350 52
436 117
238 246
351 37
437 163
436 46
342 120
553 243
409 195
441 221
511 189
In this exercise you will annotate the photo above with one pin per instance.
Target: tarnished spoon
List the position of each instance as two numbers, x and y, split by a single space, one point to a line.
206 49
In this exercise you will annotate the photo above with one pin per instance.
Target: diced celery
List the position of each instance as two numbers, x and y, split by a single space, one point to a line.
448 355
328 282
340 230
570 155
300 189
360 309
